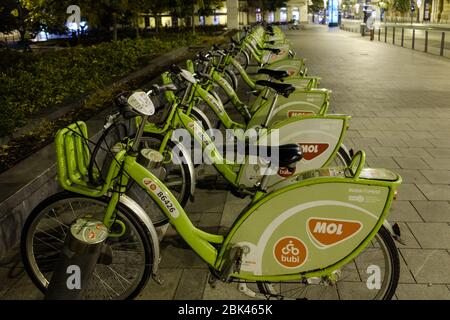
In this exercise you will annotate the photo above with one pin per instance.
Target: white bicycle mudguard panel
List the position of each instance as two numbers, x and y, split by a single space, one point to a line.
318 136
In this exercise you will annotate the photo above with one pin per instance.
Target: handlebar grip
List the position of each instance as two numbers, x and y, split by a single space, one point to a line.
122 103
175 69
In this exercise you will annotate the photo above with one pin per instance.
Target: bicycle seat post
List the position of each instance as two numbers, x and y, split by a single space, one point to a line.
272 107
265 180
186 94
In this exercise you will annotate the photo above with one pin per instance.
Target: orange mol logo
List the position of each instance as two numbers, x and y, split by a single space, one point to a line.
298 113
328 232
313 150
290 252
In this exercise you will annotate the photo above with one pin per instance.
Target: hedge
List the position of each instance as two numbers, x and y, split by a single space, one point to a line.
32 82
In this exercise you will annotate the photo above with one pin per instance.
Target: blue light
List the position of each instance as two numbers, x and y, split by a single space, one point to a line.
333 12
74 27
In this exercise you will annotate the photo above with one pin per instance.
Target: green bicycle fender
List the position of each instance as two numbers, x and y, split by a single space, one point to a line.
385 197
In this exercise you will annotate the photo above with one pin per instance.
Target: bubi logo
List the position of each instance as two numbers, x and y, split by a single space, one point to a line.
328 232
290 252
313 150
291 72
298 113
286 172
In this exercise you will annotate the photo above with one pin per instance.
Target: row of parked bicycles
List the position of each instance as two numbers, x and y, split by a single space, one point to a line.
316 224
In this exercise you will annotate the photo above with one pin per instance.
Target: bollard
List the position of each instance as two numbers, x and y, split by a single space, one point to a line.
393 35
426 41
442 43
77 261
413 44
379 33
403 36
362 29
385 34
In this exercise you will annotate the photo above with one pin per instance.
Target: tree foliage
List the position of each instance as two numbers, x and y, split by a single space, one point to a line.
315 6
402 6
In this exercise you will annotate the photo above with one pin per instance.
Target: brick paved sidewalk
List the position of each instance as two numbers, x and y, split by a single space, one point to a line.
400 103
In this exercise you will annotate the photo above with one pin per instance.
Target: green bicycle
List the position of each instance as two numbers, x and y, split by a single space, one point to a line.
322 235
319 136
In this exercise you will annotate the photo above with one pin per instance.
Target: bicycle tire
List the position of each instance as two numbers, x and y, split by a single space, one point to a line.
393 257
27 252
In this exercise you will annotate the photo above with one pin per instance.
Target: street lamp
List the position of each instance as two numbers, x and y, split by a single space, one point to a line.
419 4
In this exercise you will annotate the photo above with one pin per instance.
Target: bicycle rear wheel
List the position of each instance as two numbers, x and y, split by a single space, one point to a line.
356 280
45 231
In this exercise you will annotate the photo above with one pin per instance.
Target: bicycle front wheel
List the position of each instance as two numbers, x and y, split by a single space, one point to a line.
44 233
372 275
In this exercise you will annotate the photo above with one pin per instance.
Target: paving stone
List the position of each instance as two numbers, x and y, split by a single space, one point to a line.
365 142
232 210
408 239
414 152
415 143
409 192
433 211
166 291
207 201
422 292
353 134
192 284
435 191
9 277
372 134
386 151
431 235
441 143
419 134
403 211
439 152
24 289
438 164
437 176
428 266
411 176
209 220
177 254
381 162
225 291
405 273
392 142
440 133
411 163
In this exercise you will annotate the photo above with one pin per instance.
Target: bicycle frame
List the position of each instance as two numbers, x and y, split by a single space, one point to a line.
203 243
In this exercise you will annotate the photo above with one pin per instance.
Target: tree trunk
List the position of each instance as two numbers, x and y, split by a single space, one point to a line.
136 21
114 18
193 18
157 22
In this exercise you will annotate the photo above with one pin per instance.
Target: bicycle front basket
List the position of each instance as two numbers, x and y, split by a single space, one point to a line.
73 158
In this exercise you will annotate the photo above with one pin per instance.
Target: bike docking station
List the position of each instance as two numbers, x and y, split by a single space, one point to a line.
83 249
315 207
